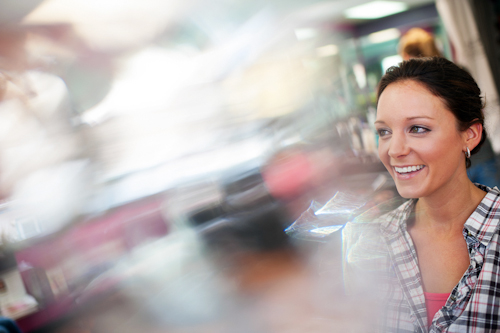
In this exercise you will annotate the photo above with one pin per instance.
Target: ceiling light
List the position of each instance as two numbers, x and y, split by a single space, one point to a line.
384 36
375 9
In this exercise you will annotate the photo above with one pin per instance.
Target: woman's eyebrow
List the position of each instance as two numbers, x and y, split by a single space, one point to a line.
417 117
408 118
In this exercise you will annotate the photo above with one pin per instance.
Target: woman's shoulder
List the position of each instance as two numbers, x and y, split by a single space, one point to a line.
383 218
366 256
390 215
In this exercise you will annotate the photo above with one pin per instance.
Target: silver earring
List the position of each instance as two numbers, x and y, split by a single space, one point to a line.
467 153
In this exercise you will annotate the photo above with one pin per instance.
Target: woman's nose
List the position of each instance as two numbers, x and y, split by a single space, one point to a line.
398 146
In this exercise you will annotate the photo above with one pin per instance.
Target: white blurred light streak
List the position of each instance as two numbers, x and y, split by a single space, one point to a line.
110 24
325 231
384 35
151 81
390 61
175 172
360 75
375 9
305 33
239 49
53 195
327 50
148 82
152 77
319 11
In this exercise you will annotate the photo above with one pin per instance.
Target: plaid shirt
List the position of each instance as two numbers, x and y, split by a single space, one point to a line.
474 303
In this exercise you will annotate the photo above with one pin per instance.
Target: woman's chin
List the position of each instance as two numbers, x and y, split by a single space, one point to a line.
408 193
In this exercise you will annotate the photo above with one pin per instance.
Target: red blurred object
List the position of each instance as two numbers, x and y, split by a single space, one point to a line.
289 175
57 269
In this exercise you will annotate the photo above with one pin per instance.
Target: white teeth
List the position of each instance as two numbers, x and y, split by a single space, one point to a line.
408 169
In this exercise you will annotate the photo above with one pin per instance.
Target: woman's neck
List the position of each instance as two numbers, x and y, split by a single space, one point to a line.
449 209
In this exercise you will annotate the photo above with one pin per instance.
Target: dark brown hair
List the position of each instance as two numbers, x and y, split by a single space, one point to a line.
444 79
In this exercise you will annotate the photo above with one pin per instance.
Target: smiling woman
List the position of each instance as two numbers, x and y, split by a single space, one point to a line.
443 245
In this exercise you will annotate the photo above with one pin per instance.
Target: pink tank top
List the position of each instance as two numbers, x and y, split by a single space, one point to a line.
434 302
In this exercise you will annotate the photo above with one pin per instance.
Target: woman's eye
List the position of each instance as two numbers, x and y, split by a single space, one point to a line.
383 132
418 129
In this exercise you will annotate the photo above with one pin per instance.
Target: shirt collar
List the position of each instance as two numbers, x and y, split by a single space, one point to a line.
392 221
485 220
482 224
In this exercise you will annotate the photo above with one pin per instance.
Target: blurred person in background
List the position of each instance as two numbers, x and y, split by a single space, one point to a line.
416 43
442 245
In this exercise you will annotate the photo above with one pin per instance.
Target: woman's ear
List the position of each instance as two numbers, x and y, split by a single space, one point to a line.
473 135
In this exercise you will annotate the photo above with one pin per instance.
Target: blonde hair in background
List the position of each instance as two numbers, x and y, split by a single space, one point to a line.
418 43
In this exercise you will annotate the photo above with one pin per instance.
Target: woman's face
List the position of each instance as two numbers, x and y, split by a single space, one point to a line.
419 142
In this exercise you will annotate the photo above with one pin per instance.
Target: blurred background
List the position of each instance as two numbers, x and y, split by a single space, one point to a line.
154 155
